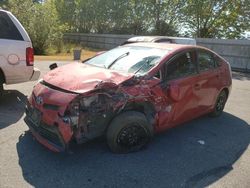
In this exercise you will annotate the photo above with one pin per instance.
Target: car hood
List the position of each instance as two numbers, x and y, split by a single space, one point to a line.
81 78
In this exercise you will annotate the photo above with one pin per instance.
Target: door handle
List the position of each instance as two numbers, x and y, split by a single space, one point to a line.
197 86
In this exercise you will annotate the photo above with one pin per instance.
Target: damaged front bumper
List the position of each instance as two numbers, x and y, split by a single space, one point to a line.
47 135
45 117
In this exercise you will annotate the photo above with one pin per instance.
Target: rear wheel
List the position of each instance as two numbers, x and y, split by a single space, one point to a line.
129 132
220 104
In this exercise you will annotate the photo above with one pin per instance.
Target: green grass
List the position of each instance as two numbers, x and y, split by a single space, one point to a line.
64 52
65 56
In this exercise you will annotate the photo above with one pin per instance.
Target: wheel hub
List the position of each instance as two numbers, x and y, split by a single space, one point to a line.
220 103
131 136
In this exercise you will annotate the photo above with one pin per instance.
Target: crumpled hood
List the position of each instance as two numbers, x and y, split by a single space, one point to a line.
81 78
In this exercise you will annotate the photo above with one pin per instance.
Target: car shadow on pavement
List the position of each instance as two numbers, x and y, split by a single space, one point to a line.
12 106
194 155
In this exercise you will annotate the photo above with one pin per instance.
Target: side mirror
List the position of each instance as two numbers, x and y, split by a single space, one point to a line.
53 66
174 92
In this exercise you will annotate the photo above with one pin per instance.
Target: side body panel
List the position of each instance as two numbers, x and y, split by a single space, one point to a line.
207 89
187 107
212 82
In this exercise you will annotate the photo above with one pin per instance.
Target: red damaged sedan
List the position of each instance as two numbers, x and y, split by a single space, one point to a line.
127 94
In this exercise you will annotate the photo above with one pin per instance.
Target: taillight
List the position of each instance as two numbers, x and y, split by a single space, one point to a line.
29 56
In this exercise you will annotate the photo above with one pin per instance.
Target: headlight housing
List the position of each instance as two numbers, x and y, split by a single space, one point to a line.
76 107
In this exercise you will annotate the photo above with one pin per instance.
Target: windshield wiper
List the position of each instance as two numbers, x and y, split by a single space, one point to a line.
149 60
146 63
120 57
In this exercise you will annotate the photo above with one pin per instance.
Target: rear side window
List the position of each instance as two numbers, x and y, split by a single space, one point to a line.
7 28
182 66
217 61
206 60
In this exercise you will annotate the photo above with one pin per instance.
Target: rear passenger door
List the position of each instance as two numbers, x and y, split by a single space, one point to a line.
182 72
209 80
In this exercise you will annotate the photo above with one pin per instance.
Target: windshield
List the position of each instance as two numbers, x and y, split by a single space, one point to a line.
129 59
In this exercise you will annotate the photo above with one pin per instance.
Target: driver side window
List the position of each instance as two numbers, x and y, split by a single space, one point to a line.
182 66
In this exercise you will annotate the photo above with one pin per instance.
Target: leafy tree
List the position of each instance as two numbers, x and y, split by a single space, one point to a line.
47 20
23 10
165 16
3 4
67 13
245 16
118 12
45 28
111 16
213 18
41 22
137 17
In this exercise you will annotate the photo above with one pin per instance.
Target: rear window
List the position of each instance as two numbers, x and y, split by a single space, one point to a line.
7 28
206 60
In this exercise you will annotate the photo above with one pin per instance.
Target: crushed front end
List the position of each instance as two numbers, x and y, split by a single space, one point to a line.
56 116
45 116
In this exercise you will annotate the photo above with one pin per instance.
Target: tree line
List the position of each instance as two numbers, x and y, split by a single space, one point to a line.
47 20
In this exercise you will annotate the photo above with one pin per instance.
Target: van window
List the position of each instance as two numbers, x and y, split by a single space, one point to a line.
7 28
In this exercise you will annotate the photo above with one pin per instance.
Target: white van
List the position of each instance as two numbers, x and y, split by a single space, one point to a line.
16 52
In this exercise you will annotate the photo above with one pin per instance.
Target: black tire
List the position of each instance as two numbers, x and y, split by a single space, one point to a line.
220 104
128 132
1 87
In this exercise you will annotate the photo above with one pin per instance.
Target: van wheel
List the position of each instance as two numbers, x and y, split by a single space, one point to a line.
220 104
1 87
129 132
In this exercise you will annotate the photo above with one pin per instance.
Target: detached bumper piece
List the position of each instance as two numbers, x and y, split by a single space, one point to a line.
49 136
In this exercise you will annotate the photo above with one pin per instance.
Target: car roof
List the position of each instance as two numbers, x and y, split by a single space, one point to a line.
171 47
166 46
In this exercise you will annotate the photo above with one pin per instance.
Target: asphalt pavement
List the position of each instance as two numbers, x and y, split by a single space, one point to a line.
205 152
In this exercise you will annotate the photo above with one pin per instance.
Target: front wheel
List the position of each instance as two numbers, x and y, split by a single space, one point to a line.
129 132
220 104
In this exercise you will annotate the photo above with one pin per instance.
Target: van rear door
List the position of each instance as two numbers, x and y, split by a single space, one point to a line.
14 42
